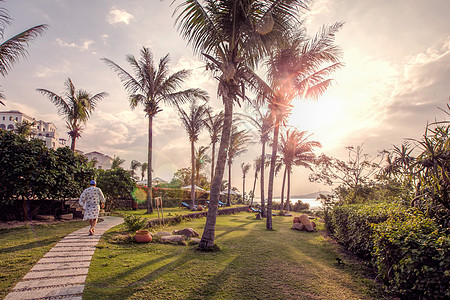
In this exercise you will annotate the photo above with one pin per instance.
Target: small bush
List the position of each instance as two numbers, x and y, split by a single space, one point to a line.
412 256
134 223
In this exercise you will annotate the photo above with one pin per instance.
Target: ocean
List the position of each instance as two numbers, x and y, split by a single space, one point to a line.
313 203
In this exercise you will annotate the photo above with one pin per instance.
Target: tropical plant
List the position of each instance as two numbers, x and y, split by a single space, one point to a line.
117 162
214 124
232 36
296 70
25 128
239 142
245 168
193 122
257 167
262 120
201 158
296 150
152 86
15 47
133 166
76 106
144 167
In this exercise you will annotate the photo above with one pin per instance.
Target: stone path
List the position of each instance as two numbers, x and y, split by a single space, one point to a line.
61 273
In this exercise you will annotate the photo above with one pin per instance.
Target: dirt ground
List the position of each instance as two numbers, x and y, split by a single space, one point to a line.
16 224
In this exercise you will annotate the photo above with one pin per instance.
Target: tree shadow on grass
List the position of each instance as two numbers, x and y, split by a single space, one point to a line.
30 245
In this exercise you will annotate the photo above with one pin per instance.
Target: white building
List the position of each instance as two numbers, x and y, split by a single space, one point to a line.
103 161
45 131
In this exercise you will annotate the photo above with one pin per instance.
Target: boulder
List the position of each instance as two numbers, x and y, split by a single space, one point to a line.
304 219
313 224
187 232
174 239
45 217
66 217
160 234
298 226
195 240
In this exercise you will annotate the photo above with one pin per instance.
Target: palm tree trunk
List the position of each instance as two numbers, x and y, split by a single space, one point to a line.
212 161
263 162
254 186
272 174
243 189
288 197
72 145
229 184
149 168
282 186
192 173
207 241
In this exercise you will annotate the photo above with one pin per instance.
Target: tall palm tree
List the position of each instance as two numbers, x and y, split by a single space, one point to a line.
117 162
296 150
201 159
76 106
262 120
239 142
245 168
133 166
151 86
144 167
25 128
193 122
12 49
299 68
214 124
232 37
257 166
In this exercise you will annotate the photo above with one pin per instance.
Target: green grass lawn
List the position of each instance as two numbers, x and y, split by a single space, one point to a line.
21 248
253 264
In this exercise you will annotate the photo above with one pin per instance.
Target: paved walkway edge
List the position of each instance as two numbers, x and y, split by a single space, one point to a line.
62 272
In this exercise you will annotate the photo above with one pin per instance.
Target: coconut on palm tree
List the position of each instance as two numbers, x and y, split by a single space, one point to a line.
296 150
232 37
151 86
12 49
239 142
214 124
76 106
299 68
193 122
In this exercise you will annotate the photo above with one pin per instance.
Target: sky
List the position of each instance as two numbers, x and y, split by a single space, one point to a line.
396 76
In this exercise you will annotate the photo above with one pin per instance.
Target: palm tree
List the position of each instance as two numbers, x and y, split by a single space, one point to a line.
232 37
201 158
133 166
214 124
15 47
295 70
117 163
25 128
245 168
296 150
152 86
76 106
263 122
257 166
239 141
193 122
144 167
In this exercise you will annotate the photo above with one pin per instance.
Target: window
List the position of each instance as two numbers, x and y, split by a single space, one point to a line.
3 118
17 119
10 127
3 126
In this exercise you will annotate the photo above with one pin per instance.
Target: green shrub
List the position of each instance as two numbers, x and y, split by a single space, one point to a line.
134 223
412 256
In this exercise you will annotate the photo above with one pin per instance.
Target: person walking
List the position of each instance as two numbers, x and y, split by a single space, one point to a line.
90 199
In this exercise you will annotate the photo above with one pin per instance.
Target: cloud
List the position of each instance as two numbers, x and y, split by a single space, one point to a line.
119 16
83 46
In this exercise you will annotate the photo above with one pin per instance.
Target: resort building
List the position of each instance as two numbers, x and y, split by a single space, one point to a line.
45 131
102 161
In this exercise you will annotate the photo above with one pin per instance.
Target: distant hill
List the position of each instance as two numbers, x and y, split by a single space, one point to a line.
311 196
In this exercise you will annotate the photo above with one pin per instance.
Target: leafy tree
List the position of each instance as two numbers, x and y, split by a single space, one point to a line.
76 106
296 70
115 184
133 166
183 175
239 141
296 150
151 86
117 163
15 47
245 168
232 36
193 122
214 124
